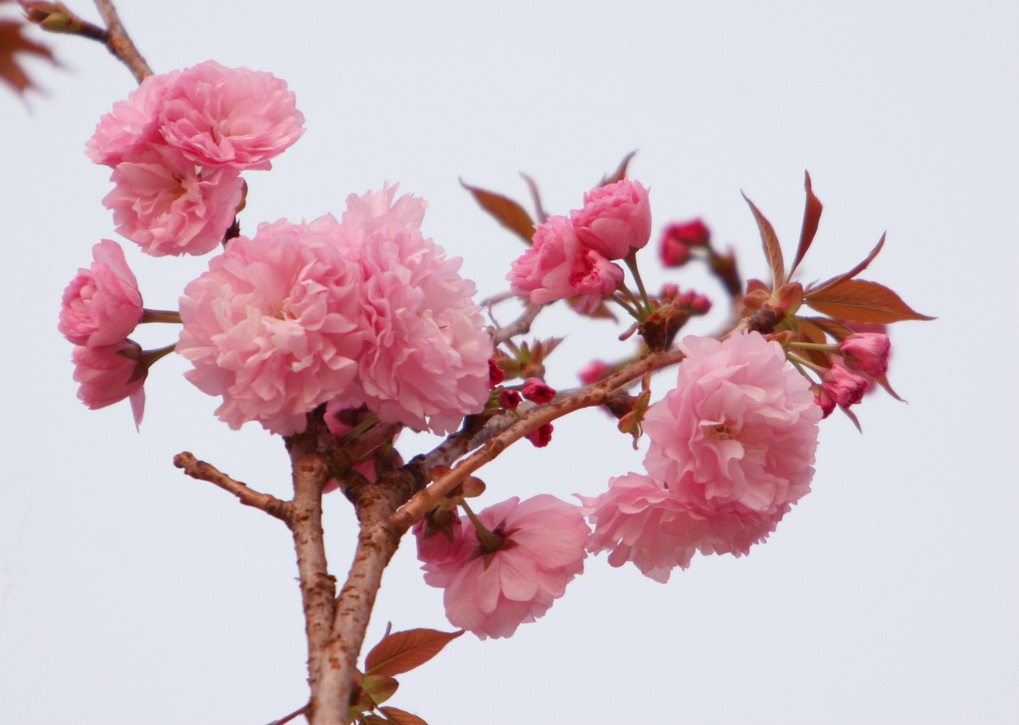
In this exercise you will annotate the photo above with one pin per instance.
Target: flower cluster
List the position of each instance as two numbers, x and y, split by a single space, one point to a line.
363 311
572 255
513 570
177 146
731 449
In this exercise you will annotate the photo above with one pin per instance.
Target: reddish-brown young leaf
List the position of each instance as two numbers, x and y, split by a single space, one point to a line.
857 300
883 382
403 651
401 717
811 218
772 249
810 332
620 173
839 332
536 198
11 43
839 279
852 416
506 211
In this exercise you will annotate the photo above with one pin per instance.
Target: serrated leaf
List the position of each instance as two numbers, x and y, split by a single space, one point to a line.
811 218
403 651
837 331
772 249
536 198
11 43
839 279
401 717
506 211
620 173
857 300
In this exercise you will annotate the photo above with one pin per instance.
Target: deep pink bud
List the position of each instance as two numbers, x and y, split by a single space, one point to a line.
509 399
537 391
845 386
678 240
866 352
594 372
495 373
541 437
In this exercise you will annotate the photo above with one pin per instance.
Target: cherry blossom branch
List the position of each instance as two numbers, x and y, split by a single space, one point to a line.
520 326
203 471
119 42
597 394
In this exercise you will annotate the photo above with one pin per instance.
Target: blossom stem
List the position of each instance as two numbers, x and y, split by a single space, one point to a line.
149 357
171 316
119 43
489 541
631 263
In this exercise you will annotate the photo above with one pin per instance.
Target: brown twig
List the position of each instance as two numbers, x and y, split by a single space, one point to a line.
119 43
427 499
520 326
203 471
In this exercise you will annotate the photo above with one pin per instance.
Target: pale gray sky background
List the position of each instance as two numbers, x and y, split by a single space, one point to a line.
130 594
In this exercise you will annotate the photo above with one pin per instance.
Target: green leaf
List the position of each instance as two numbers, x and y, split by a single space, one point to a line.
506 211
403 651
379 687
857 300
811 218
772 249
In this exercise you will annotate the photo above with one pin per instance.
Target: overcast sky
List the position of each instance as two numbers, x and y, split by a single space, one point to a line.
131 594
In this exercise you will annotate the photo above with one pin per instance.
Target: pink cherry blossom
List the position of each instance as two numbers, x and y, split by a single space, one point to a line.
168 207
615 220
274 326
426 360
132 124
739 431
542 550
229 117
639 520
559 266
109 374
102 305
866 352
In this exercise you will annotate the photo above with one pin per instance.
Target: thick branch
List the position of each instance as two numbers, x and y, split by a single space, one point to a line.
119 42
427 499
249 497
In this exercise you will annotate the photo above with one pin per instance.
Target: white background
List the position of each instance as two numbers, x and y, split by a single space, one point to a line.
131 594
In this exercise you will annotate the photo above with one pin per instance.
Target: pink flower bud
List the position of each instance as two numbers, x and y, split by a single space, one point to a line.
102 305
540 437
866 352
678 240
509 399
537 391
594 372
495 373
616 218
845 386
109 374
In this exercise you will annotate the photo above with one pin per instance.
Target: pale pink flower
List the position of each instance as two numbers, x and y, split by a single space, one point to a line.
615 220
639 520
167 206
542 550
232 117
425 363
102 305
739 431
559 266
109 374
866 352
440 537
274 326
132 124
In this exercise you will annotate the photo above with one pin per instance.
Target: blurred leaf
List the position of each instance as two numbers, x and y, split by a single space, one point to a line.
536 198
811 218
401 717
852 416
11 43
857 300
811 332
883 382
839 332
403 651
506 211
620 173
772 249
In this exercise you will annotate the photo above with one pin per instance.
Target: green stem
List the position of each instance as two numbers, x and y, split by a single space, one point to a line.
631 263
489 541
160 316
